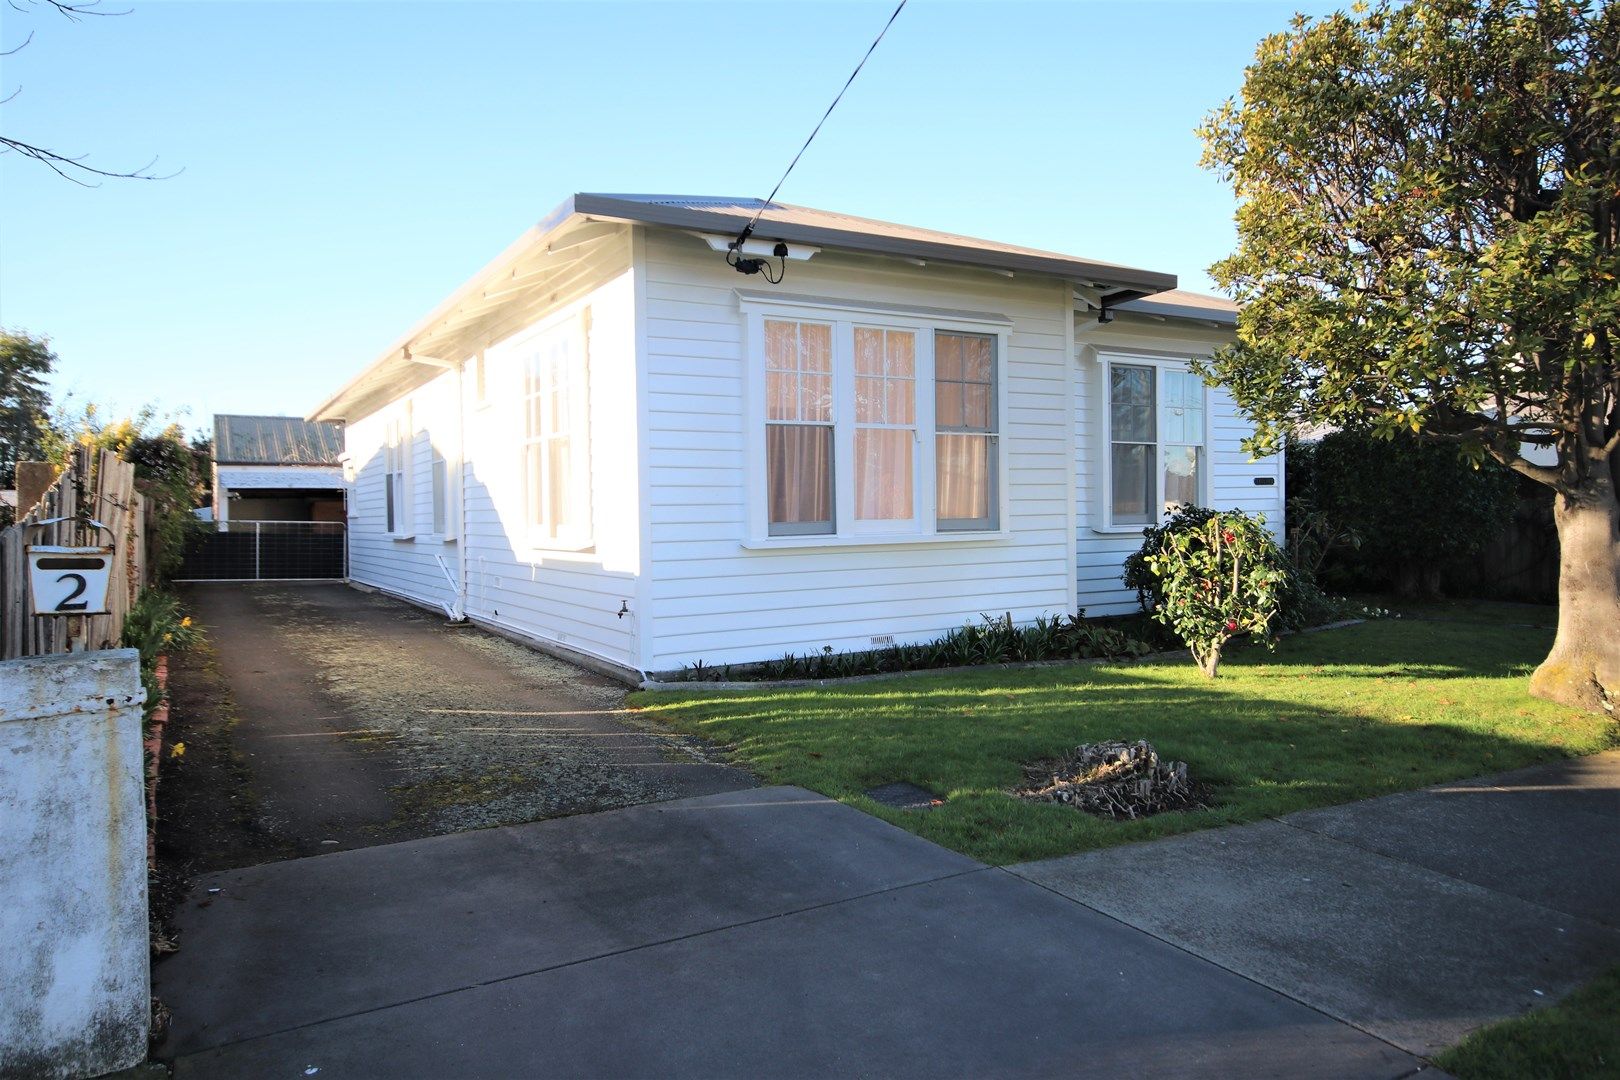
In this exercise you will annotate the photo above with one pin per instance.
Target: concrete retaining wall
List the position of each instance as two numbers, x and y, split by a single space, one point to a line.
73 920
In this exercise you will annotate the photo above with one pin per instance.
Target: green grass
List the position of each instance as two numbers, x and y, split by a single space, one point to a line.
1576 1039
1327 718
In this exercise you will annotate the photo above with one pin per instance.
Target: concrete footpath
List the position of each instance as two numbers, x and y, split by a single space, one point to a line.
757 933
1415 917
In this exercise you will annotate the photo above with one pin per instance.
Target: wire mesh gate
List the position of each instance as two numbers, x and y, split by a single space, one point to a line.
268 551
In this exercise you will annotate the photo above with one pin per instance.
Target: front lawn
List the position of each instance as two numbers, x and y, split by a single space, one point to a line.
1576 1039
1327 718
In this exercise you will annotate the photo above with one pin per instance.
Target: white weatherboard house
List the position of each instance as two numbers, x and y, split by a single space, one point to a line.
612 444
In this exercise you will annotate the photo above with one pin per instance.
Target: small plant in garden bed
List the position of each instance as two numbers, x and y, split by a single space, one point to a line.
156 626
992 640
1124 781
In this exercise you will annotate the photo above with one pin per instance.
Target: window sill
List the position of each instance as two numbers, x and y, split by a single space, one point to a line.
1119 530
795 543
552 548
402 538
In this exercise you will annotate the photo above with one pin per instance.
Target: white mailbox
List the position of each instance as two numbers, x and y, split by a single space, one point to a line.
69 580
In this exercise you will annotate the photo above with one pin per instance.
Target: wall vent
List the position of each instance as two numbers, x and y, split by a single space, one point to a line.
883 639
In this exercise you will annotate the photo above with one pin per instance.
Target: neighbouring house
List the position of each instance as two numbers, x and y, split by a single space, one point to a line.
277 468
613 445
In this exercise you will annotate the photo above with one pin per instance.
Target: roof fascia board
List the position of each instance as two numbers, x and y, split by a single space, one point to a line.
680 217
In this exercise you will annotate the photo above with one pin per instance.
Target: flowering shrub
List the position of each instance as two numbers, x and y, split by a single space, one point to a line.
1218 575
156 626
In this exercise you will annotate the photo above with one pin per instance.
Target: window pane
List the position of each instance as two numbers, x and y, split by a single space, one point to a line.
1132 485
1183 407
976 356
1180 476
948 404
815 347
388 501
1129 385
976 407
883 474
532 471
1131 423
781 345
869 400
558 463
901 354
781 396
798 468
900 401
963 475
868 351
440 494
815 398
947 356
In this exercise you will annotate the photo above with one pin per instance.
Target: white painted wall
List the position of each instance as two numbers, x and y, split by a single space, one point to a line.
715 599
73 971
569 598
1099 551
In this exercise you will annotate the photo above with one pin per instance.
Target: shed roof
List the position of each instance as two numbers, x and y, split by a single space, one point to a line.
276 440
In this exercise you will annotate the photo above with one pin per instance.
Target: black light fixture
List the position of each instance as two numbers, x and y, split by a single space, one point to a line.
743 265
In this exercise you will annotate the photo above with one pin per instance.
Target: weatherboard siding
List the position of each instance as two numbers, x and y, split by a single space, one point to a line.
712 598
1099 554
570 598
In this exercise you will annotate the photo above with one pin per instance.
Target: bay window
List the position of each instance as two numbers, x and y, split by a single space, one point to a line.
873 425
1155 440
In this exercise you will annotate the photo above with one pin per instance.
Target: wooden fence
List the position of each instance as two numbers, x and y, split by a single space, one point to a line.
97 486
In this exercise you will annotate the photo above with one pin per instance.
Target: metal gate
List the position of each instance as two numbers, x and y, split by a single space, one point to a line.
268 551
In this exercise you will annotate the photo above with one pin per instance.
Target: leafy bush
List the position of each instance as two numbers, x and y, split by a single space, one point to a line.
156 626
1218 575
1413 507
992 640
1300 602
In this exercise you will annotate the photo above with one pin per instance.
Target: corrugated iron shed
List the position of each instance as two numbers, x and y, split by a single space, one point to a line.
276 440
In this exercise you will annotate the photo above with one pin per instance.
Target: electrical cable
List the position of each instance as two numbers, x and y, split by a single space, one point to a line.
734 258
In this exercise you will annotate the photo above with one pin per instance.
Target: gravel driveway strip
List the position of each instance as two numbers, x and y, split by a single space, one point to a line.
359 719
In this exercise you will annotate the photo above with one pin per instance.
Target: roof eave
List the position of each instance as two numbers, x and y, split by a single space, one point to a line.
557 220
607 208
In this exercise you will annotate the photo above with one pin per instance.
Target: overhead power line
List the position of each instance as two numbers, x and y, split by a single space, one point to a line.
753 266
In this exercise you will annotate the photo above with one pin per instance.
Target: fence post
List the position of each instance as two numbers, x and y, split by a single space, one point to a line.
256 528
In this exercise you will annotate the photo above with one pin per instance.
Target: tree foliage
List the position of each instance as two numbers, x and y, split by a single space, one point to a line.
1429 227
1429 240
25 404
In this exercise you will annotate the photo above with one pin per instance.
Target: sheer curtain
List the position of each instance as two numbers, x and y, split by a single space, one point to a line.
885 423
798 429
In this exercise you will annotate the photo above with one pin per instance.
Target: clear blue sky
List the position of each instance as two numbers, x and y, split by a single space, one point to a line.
347 165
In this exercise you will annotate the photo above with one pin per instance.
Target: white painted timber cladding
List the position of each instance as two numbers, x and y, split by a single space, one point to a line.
714 600
1100 554
568 597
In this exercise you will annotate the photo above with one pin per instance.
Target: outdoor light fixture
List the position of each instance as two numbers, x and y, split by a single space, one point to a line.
743 265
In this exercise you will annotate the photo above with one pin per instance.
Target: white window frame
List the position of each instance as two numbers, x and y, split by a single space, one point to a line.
844 316
1105 424
541 533
399 444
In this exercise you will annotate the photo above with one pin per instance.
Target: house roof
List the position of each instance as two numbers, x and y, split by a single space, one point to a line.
724 216
1181 304
275 440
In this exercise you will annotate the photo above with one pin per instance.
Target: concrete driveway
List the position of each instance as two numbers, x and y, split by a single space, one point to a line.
1416 917
760 933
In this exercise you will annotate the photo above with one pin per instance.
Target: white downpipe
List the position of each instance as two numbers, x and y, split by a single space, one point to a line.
455 610
460 583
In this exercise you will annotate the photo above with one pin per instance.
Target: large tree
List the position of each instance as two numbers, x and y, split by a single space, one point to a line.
25 361
1429 239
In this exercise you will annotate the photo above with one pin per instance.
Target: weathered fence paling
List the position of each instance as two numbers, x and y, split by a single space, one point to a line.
96 485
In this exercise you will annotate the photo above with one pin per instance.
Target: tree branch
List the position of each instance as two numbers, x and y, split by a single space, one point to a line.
69 168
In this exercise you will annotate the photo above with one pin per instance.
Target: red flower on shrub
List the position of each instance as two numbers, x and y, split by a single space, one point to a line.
1231 626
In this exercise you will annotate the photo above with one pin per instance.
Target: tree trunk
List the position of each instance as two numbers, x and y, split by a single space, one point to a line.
1583 669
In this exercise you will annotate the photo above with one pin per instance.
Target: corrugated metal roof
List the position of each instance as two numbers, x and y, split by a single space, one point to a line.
276 440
